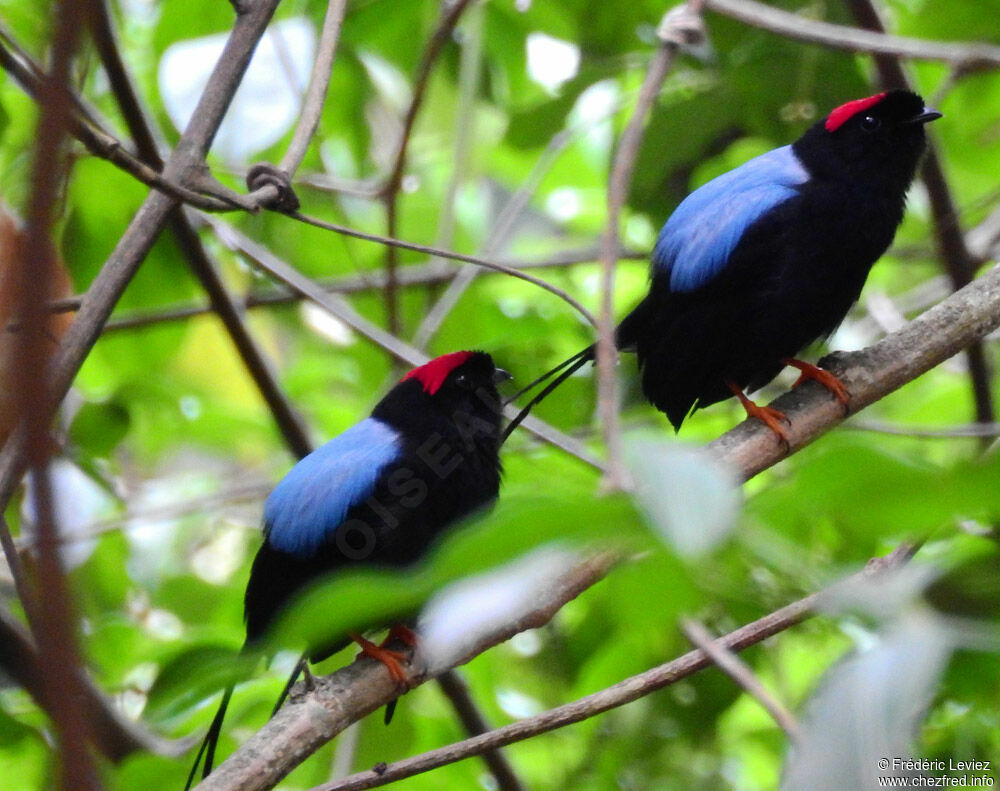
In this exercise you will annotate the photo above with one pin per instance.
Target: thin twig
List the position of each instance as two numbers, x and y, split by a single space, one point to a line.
971 430
319 82
967 57
954 254
618 188
740 672
457 691
469 259
390 190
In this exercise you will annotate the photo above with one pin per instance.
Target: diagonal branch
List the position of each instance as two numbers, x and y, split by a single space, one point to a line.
675 25
319 82
965 57
390 190
869 374
361 687
739 671
185 162
289 421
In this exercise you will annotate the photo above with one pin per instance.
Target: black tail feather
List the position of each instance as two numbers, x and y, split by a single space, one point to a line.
210 741
586 353
571 366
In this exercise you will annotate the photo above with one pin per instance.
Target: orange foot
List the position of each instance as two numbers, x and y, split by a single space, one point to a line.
771 417
824 377
393 660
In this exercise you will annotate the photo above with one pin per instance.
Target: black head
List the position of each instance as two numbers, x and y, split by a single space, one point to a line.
457 390
875 140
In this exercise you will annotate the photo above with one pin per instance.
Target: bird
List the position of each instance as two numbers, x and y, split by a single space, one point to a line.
378 494
767 258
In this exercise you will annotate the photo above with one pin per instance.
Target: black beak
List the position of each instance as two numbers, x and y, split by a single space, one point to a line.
500 376
925 116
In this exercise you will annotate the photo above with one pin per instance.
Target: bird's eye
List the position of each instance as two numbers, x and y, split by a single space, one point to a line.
870 123
463 380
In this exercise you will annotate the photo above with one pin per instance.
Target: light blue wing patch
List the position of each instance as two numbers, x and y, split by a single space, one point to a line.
315 496
698 238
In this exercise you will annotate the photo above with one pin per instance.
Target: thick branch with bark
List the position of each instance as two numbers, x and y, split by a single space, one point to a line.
869 374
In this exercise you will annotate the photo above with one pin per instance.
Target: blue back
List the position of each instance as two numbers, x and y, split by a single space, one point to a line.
698 238
317 493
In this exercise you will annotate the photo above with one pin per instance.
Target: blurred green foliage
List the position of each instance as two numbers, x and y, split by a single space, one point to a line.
165 418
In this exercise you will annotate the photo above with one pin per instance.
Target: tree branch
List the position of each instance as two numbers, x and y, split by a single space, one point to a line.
360 687
965 57
457 692
185 163
870 374
619 183
47 598
738 671
390 190
469 259
288 420
114 735
319 82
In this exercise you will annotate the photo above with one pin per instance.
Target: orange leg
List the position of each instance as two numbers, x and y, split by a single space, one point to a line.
771 417
393 660
825 378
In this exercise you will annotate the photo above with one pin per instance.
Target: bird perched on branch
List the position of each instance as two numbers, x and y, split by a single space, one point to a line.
378 495
767 258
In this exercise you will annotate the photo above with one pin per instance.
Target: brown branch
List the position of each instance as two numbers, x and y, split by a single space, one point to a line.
289 421
618 188
49 603
457 692
319 82
390 190
738 671
869 374
965 57
957 260
185 163
360 688
97 140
